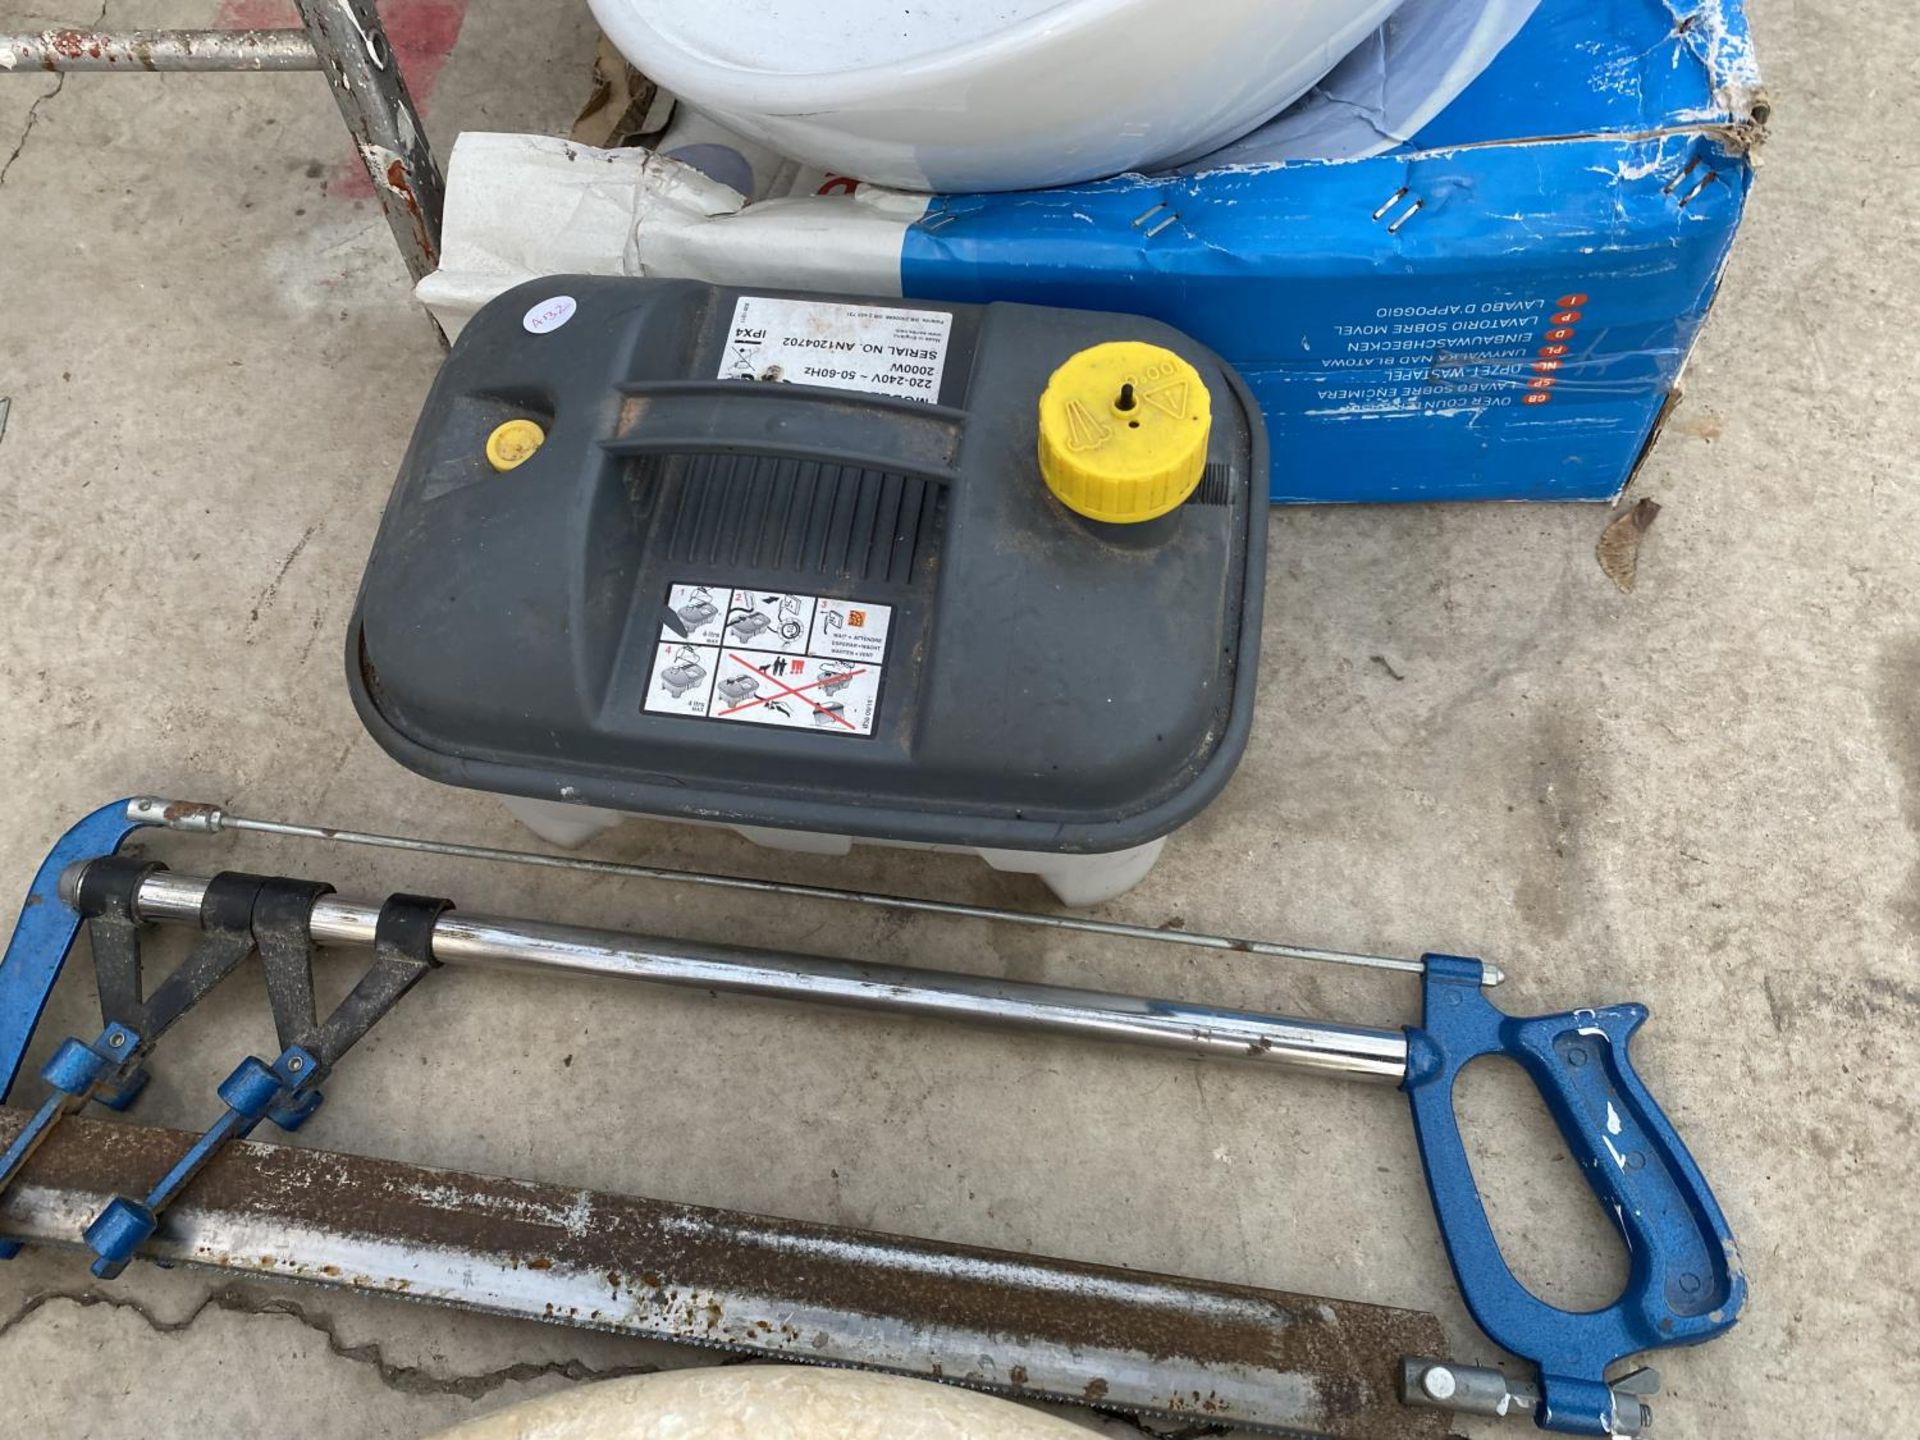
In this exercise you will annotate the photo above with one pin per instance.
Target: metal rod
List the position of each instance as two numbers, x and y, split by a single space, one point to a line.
345 40
1041 1329
1484 1390
374 101
203 819
1198 1030
159 50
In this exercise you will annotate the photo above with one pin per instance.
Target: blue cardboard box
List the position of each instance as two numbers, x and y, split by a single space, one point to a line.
1497 307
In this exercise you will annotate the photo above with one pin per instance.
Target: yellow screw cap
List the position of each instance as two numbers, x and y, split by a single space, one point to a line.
513 444
1123 432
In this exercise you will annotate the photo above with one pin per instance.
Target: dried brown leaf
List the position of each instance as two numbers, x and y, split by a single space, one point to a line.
1619 548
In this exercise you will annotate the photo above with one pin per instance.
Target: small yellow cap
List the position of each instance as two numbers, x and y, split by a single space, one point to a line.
1123 432
513 444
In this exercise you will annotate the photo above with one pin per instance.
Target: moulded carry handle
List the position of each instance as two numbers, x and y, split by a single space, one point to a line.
793 421
1684 1284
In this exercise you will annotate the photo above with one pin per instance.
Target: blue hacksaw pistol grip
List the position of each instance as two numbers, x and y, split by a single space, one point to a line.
1684 1284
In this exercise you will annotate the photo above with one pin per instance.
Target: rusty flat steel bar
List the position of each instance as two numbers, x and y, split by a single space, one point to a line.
132 51
782 1289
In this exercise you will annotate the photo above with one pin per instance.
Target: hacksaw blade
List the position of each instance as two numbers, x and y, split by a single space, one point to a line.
1033 1328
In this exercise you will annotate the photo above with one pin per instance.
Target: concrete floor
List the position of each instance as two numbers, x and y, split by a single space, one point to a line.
1705 796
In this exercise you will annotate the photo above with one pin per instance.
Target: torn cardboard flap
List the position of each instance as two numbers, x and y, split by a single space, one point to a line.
623 107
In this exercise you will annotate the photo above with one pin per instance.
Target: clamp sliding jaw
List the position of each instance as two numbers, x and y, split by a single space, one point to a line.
287 1092
240 916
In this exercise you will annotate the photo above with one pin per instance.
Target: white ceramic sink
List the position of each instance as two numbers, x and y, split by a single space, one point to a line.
956 95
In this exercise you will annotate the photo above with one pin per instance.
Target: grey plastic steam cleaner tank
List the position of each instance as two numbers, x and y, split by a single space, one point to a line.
825 569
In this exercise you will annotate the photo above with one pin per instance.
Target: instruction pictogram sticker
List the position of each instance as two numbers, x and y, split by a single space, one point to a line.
755 657
769 620
830 695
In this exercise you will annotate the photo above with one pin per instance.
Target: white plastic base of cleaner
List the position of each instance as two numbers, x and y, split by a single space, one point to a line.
1079 880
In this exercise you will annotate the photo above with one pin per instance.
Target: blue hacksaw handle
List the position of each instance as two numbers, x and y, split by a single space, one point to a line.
1684 1283
45 933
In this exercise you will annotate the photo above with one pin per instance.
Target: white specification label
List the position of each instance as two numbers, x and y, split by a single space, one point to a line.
877 348
804 662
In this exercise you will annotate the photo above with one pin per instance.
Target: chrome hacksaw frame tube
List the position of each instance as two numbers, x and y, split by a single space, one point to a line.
1198 1030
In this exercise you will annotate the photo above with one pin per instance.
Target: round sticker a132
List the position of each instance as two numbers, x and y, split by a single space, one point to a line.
550 314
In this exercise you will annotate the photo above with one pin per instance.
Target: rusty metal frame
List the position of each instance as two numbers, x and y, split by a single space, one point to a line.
776 1289
344 39
59 51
